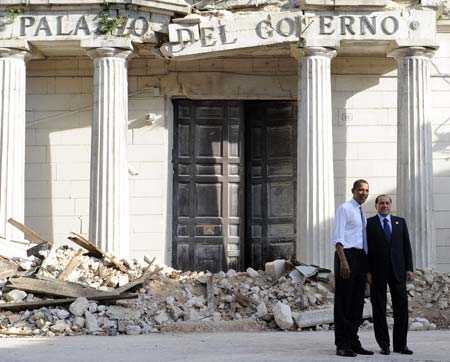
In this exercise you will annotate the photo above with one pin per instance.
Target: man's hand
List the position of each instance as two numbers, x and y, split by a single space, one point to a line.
409 276
345 269
369 278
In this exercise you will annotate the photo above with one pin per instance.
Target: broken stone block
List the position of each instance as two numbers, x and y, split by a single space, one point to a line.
196 302
40 323
123 279
113 281
118 312
62 314
170 300
283 315
275 269
416 326
261 310
15 296
231 273
425 322
162 318
59 326
147 328
78 322
252 273
79 306
191 315
133 330
92 307
91 322
13 318
225 284
175 312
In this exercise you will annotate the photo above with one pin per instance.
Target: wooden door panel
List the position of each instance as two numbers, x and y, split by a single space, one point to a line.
208 216
271 181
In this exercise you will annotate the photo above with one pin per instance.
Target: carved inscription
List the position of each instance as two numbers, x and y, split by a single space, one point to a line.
74 26
261 29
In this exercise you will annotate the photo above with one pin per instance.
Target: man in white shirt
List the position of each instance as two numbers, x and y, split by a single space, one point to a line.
350 269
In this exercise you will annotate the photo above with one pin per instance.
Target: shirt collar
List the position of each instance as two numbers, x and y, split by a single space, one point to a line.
381 217
355 203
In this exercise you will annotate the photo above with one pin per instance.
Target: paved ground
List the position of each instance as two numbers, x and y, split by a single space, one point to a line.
430 346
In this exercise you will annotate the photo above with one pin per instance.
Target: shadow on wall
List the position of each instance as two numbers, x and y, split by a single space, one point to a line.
365 114
58 138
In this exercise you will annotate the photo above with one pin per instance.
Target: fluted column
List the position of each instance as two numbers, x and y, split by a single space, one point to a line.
315 176
414 150
12 139
108 213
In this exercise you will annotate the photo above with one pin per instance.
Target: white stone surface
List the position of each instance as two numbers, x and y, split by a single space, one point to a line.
283 315
15 296
315 175
59 101
275 269
79 306
12 140
108 214
415 152
213 36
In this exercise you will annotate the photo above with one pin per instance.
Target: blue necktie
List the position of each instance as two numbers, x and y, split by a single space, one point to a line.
364 234
387 229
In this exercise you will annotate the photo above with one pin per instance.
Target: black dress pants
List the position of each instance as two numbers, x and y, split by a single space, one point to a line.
349 298
400 308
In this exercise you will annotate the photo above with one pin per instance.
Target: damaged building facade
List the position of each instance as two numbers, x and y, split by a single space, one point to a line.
223 134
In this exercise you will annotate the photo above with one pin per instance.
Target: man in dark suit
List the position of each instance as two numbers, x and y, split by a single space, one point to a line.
390 263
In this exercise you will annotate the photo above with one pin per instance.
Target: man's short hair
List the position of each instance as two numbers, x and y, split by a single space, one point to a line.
358 183
383 195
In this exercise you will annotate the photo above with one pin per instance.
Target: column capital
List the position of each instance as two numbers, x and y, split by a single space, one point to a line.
18 49
107 52
412 51
103 48
311 51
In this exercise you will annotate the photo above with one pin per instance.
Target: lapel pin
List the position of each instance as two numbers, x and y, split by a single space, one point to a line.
396 222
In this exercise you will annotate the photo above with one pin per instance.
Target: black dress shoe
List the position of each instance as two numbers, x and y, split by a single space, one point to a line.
345 352
385 351
404 350
360 350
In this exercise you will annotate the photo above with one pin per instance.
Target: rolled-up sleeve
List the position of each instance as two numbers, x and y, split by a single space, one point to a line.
339 226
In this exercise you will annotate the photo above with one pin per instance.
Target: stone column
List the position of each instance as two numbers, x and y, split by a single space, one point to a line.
108 213
12 139
414 150
315 176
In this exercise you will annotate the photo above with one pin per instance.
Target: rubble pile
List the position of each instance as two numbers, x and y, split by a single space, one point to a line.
73 291
168 296
429 300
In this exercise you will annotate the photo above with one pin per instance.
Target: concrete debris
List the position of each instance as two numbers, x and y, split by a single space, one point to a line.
168 299
283 315
15 296
252 273
275 269
78 307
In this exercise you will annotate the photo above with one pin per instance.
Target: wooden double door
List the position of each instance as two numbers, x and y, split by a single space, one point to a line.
234 189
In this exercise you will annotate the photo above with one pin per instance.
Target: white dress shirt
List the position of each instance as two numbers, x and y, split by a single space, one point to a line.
388 217
348 226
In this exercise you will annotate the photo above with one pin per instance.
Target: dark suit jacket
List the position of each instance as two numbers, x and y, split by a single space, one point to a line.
382 252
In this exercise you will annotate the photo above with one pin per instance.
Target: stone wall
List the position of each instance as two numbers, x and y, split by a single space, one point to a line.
364 125
441 150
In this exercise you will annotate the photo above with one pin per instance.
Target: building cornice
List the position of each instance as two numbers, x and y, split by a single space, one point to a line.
163 6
